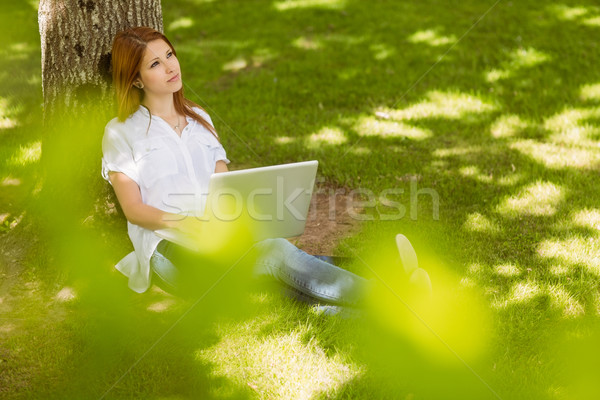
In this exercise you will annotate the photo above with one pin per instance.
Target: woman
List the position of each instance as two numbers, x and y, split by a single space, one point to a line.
162 146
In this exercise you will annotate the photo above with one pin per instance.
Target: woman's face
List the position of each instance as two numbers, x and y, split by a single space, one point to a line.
160 71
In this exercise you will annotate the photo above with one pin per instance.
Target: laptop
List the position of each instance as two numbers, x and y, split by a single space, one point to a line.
270 201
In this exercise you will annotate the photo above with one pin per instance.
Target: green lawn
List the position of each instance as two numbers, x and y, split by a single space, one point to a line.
491 114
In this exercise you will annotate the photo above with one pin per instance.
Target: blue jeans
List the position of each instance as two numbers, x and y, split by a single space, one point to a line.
302 276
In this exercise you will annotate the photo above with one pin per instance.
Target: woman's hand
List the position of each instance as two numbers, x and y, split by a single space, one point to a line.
189 226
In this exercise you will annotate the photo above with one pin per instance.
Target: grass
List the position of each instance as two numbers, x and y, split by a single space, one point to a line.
504 128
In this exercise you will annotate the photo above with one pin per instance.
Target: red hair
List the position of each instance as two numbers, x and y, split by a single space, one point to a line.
128 51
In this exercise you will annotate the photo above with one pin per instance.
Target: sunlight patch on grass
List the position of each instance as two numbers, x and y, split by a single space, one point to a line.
475 268
510 180
235 65
35 79
457 151
564 301
161 306
468 282
575 250
27 155
278 366
587 219
539 199
571 125
473 171
7 327
507 270
345 39
5 120
431 37
326 136
10 181
19 51
469 171
557 157
440 165
263 55
370 126
382 51
518 59
527 58
181 23
590 92
567 13
349 73
561 299
306 43
66 295
295 4
477 222
593 21
560 270
520 292
9 221
497 74
284 140
443 105
508 126
360 150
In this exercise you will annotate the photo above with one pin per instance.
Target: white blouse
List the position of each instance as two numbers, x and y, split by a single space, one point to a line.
172 172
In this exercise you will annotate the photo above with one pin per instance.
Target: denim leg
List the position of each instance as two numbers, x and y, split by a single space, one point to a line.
176 269
307 274
168 275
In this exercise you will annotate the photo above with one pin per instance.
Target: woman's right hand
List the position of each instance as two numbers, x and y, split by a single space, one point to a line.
189 226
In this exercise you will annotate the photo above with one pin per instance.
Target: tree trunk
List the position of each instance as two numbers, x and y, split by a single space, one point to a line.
76 41
76 38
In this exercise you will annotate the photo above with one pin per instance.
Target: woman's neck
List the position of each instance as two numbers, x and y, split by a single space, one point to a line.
162 106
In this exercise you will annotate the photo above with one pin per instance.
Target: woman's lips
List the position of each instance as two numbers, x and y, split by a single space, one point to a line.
173 79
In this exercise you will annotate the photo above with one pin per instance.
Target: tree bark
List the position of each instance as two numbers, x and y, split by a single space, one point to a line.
76 39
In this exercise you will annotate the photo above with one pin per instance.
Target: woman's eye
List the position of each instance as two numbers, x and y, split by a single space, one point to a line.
154 64
169 54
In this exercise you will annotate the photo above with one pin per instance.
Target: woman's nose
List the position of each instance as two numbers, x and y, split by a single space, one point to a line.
170 65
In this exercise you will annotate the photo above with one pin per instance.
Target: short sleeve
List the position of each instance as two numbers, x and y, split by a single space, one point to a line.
218 150
220 154
117 155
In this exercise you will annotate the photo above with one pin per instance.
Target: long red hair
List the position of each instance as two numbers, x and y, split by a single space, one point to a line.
128 51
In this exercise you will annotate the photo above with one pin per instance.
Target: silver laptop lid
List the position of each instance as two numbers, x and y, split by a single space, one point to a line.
274 200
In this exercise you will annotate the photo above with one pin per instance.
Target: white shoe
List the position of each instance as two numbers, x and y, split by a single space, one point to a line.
418 277
408 256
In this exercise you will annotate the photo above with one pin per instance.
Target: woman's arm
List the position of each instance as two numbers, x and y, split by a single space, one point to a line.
136 212
221 166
